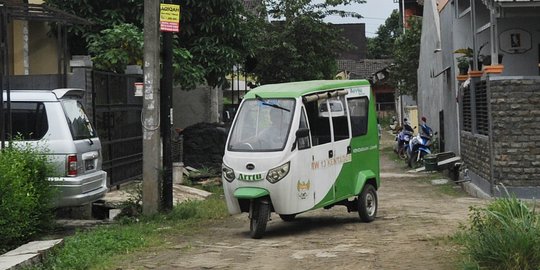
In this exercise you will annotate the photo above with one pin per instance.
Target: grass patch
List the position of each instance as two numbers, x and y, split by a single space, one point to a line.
388 151
504 235
450 188
101 247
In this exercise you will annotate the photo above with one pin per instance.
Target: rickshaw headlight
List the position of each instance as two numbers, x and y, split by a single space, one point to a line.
227 173
276 174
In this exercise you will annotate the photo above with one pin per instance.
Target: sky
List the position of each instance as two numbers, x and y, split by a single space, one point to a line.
374 12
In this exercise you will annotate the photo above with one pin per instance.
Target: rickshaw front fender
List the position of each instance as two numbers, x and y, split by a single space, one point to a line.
250 193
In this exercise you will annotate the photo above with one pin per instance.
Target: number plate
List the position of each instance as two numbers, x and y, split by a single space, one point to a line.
89 165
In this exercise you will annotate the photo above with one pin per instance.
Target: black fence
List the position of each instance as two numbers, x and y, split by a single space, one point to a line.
117 118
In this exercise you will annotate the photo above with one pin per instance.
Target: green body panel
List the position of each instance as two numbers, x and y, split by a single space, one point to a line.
361 179
364 164
298 89
250 193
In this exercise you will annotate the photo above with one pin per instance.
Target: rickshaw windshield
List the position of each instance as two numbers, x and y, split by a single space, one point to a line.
262 125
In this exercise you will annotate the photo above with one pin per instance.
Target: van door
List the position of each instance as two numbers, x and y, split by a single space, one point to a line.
322 171
84 136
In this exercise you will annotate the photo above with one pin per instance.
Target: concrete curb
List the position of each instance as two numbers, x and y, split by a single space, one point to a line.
27 254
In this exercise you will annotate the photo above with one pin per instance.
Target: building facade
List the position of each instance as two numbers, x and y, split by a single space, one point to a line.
489 114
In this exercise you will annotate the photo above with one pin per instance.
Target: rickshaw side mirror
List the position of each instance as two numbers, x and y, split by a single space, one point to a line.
302 139
302 132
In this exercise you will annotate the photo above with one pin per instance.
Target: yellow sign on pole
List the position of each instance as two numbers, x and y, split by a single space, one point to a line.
169 17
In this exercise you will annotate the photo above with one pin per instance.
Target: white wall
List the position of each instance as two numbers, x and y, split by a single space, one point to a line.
430 88
525 64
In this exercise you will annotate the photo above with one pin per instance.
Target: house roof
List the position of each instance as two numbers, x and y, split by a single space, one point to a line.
363 69
36 12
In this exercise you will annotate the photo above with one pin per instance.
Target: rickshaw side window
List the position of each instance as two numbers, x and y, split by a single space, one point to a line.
358 111
303 143
339 119
320 125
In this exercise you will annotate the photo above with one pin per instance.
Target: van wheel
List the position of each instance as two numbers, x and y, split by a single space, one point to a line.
287 218
259 218
367 203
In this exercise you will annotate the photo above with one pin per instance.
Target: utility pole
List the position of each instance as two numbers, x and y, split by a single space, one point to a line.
150 119
166 117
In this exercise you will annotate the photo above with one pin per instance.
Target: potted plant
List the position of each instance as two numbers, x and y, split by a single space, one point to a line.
486 60
463 65
469 54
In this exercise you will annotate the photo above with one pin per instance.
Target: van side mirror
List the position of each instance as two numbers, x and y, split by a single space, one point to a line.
302 139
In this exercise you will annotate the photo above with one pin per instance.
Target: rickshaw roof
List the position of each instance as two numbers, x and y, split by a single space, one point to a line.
298 89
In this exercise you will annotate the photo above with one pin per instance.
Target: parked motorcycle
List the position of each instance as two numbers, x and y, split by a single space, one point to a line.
419 146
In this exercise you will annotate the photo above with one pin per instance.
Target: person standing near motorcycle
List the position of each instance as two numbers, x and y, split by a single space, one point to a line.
402 139
407 125
425 130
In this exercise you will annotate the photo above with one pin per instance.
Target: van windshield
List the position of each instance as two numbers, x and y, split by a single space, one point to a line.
262 126
79 124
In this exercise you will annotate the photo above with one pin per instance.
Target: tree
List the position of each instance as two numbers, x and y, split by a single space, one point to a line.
216 33
297 44
382 45
102 14
116 47
406 56
211 39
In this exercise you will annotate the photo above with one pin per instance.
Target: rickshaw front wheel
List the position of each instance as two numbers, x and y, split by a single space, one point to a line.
367 203
259 218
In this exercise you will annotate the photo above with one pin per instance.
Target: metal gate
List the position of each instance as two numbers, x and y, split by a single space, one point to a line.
117 118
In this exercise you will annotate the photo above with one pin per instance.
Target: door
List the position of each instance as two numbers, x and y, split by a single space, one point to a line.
84 137
303 185
343 177
322 171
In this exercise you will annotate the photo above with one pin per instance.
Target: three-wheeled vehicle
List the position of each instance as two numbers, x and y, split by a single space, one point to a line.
299 146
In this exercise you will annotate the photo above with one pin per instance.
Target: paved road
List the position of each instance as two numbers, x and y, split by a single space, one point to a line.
410 232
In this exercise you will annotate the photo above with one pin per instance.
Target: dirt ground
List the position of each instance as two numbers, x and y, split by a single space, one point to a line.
411 231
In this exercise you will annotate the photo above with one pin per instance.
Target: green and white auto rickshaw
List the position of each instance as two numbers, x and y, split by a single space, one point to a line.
299 146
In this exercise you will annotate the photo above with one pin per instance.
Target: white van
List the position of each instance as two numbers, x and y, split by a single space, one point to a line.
55 120
299 146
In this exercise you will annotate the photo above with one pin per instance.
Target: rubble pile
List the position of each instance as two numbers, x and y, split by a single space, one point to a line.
204 145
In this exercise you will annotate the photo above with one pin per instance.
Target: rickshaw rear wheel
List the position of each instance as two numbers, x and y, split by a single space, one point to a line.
288 218
259 218
367 203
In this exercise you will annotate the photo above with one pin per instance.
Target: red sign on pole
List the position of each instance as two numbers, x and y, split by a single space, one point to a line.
169 27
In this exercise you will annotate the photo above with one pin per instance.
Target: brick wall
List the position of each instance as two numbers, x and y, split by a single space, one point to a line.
475 153
515 106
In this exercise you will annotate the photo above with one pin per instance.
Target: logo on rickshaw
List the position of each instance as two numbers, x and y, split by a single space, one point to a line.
250 177
303 188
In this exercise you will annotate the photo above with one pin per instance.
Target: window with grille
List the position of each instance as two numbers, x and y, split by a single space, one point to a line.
481 108
467 115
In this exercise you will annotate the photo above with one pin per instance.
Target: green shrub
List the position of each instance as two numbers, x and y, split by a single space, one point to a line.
101 247
25 195
505 235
